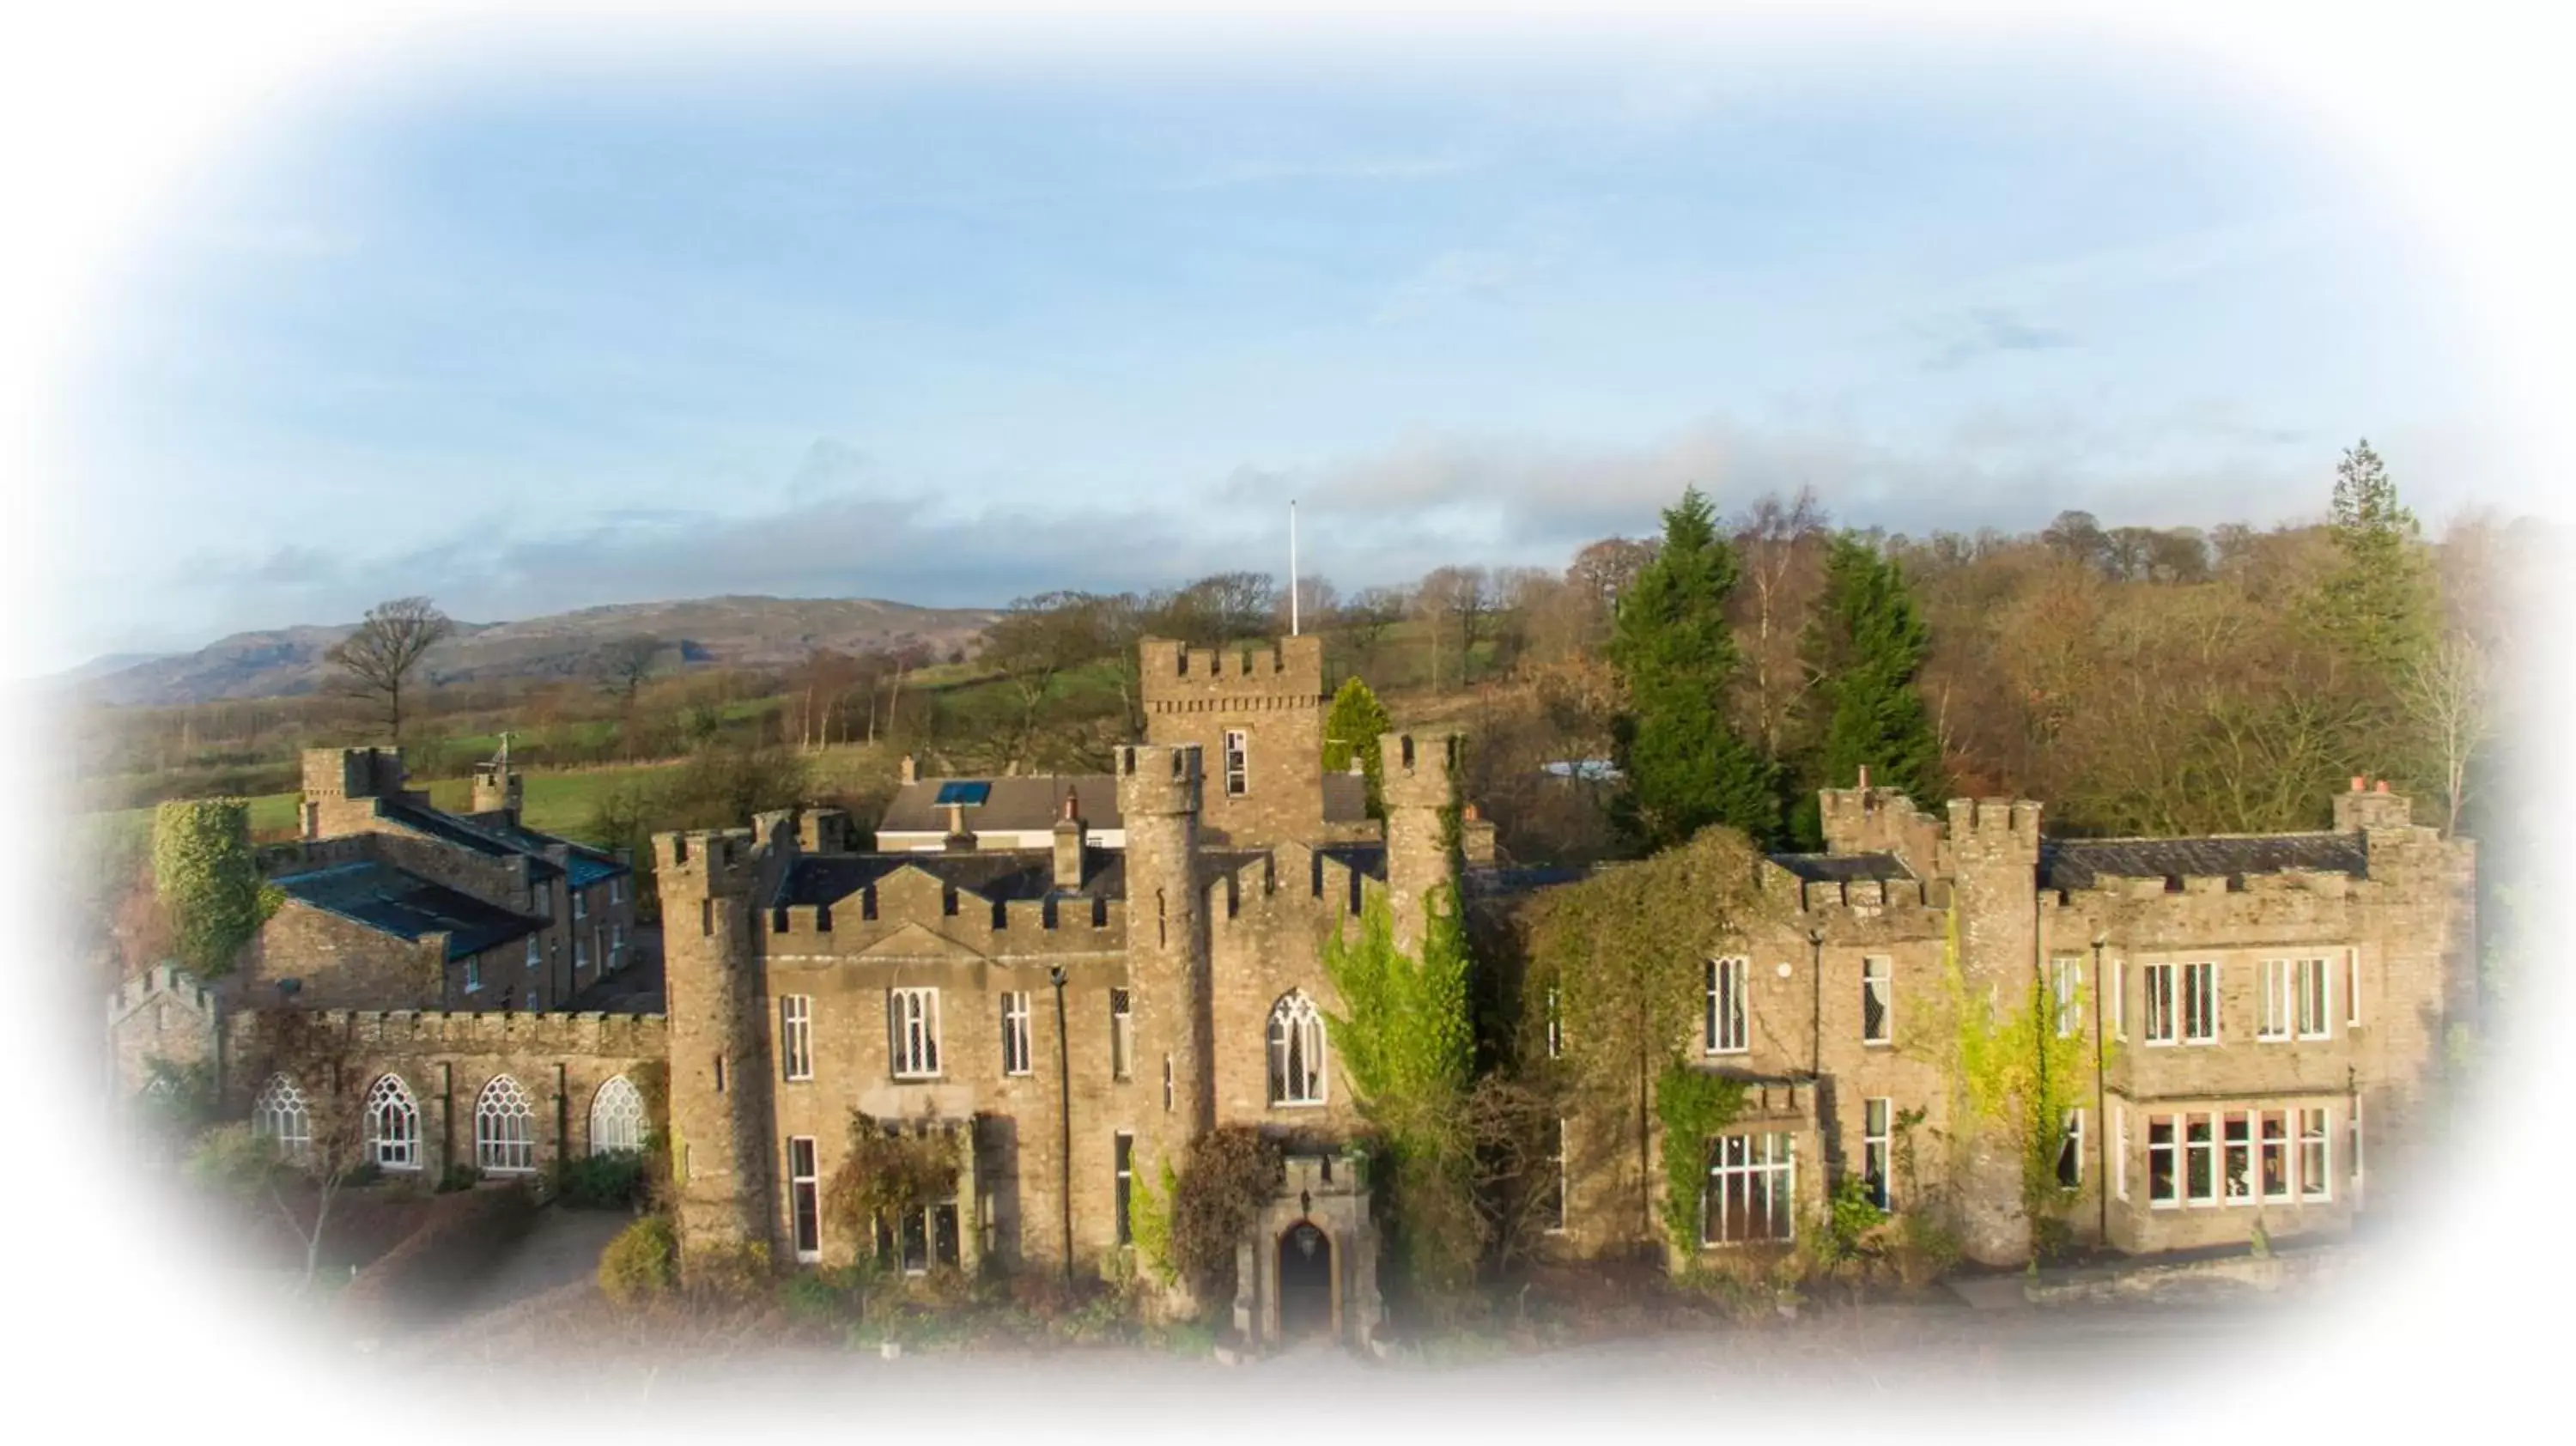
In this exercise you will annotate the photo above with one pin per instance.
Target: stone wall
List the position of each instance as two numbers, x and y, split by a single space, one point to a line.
1273 695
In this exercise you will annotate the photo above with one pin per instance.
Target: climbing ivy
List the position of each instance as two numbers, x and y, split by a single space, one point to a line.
888 1173
206 877
1694 1107
1149 1221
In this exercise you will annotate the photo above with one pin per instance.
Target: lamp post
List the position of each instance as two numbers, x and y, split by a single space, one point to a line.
1064 1118
2101 1114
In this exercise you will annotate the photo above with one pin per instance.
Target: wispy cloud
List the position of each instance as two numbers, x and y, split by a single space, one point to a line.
1953 340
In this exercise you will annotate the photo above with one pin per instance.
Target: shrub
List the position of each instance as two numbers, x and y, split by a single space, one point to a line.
1225 1179
1926 1249
613 1181
739 1270
458 1176
641 1263
810 1297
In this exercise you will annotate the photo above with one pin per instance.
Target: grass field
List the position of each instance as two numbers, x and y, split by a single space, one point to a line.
559 803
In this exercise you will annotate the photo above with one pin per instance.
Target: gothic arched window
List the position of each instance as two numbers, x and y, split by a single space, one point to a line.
279 1114
1296 1052
505 1129
617 1117
393 1125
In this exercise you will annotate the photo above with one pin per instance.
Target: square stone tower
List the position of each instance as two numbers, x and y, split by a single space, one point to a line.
1256 716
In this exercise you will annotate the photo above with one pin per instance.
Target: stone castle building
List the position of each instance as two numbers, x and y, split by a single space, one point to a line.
2254 1015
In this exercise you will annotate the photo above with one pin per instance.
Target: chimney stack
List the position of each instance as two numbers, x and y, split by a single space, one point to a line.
1068 843
905 772
959 839
1864 778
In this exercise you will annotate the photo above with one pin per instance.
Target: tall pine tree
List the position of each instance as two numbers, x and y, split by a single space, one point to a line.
1866 645
2375 608
1681 765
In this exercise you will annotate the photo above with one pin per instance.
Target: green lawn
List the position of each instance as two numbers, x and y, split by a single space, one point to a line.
558 803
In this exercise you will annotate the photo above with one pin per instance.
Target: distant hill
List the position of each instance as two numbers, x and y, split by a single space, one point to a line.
702 632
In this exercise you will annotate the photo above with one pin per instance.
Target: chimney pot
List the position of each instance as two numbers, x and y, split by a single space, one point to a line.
1864 778
2383 786
2356 783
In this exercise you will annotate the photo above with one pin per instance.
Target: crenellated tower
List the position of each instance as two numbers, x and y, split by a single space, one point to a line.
719 1098
1992 856
1256 715
1422 775
1159 793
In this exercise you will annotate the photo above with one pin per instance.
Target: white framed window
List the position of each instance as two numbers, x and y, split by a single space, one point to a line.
1122 1167
2236 1157
912 1021
1877 1138
1752 1189
2315 1156
2164 1178
2070 1152
2200 1003
1555 1023
2066 985
1552 1209
1015 1032
2352 988
580 952
804 1198
1122 1034
2120 1151
1238 762
473 974
2272 1160
1877 991
1296 1051
616 947
617 1120
581 903
617 889
393 1125
2272 1021
796 1035
2316 998
2355 1147
505 1129
2200 1159
2160 1004
1726 1032
536 952
281 1117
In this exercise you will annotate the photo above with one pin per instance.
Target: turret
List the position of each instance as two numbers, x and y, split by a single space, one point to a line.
1421 781
1257 716
1159 790
1993 863
718 1072
1866 820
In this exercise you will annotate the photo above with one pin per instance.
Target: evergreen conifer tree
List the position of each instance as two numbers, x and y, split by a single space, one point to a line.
1866 645
1681 765
1351 730
2375 607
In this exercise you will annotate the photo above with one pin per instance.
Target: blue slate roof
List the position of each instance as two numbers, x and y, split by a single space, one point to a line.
407 906
448 828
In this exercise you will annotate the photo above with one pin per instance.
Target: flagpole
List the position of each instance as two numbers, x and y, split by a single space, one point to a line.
1293 589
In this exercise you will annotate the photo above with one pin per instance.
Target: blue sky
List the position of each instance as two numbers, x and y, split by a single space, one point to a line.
793 325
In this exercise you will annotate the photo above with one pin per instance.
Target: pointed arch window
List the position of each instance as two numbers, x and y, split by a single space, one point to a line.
617 1117
393 1125
505 1129
280 1115
1296 1052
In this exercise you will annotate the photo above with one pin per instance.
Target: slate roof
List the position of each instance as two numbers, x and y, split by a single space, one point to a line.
2075 863
583 865
1033 804
407 906
1843 868
996 874
449 829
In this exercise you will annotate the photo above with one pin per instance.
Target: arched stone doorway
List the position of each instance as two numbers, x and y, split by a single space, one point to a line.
1305 1282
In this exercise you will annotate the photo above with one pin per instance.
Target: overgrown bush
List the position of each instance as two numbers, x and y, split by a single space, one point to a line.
1228 1174
641 1263
1925 1248
611 1181
888 1173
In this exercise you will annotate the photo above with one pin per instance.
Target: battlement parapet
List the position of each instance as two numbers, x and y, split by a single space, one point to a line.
166 982
413 1031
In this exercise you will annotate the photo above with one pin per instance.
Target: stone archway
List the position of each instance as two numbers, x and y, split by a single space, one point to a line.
1306 1279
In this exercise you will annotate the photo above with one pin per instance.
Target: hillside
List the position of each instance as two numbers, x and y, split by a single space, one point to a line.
732 631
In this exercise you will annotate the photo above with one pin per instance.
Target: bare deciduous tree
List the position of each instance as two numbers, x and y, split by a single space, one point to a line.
379 657
2446 693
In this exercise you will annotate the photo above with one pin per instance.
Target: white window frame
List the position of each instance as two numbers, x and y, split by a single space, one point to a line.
2273 978
616 947
2316 1147
1297 1054
2171 1151
618 1120
2200 986
389 1101
505 1128
2352 989
2163 1024
580 952
536 951
804 1199
1015 1032
616 889
1766 1162
1238 762
2066 986
912 1032
2239 1157
796 1036
473 973
580 904
1878 1150
2274 1158
2313 990
1878 987
2205 1151
1728 1026
284 1117
2071 1150
1122 1170
1122 1034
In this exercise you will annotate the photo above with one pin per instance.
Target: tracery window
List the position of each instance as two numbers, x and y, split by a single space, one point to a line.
505 1129
393 1125
1296 1052
617 1120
